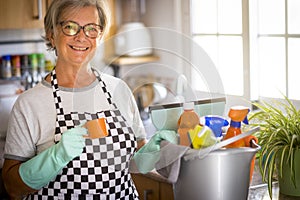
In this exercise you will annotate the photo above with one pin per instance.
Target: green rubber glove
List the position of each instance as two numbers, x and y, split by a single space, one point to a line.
146 157
42 168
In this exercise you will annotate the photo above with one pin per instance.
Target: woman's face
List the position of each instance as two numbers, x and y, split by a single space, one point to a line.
79 49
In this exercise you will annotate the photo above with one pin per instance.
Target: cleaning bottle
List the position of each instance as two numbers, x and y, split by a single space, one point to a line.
187 121
215 123
237 114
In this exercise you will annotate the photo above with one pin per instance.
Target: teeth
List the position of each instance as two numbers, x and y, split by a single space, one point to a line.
79 48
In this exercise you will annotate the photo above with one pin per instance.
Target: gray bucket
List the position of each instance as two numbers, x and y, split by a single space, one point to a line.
223 174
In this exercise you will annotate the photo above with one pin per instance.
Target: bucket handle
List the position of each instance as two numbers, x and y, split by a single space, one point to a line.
202 152
254 144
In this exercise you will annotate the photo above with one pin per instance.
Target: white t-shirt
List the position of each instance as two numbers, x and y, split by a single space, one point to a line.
32 121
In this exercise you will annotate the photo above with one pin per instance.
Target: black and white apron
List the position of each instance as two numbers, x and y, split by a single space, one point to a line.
101 171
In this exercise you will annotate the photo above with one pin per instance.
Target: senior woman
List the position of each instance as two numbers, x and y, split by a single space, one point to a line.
48 154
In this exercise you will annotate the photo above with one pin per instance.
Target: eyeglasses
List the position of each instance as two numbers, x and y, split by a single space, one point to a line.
71 28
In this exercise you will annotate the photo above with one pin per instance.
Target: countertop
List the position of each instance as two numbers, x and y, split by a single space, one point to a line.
259 190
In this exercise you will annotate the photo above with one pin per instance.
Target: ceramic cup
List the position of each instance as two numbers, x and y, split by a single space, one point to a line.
96 128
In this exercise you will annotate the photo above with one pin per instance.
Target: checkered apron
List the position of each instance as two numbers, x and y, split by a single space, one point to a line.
101 171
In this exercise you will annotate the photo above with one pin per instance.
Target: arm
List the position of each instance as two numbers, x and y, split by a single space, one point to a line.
12 180
141 143
21 179
146 157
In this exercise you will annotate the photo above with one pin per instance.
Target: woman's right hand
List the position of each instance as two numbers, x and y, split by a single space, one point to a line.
23 178
71 143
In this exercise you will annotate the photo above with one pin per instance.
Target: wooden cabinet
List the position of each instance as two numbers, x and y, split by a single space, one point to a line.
152 186
22 14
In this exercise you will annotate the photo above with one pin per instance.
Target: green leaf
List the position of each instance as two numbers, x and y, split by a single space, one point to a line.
279 137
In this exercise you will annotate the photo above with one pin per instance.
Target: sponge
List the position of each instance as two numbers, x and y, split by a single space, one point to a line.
202 136
96 128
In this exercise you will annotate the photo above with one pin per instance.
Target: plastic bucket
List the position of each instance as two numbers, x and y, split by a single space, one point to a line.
223 174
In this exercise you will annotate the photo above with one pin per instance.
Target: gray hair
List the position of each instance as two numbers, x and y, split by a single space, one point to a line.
57 9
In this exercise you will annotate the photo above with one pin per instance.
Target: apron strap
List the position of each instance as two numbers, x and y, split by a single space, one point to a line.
103 86
56 95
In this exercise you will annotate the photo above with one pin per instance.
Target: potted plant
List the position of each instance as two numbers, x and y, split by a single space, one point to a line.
279 138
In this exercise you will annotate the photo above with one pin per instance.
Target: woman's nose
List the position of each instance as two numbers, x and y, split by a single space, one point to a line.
81 35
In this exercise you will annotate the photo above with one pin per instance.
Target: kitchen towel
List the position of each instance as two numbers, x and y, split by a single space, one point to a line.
168 165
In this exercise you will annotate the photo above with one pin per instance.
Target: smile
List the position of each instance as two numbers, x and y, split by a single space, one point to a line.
79 48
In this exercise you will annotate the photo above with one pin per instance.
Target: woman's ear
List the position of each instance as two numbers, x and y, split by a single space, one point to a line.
52 42
50 37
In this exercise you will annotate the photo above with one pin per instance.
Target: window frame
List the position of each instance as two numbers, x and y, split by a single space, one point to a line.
250 36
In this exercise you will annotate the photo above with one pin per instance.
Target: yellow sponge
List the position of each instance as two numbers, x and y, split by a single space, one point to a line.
202 136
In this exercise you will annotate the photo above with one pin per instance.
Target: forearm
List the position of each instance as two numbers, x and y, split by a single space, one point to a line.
141 143
14 185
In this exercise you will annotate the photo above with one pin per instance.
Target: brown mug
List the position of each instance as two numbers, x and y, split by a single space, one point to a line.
96 128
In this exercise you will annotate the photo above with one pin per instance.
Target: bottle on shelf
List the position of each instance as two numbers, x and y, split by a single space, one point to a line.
33 63
41 66
6 67
187 121
26 79
16 66
48 66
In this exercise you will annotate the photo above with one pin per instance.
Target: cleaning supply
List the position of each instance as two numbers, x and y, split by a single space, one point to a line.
215 123
237 114
96 128
248 142
187 121
202 136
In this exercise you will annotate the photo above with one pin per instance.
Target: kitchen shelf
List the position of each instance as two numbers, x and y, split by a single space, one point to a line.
132 60
129 60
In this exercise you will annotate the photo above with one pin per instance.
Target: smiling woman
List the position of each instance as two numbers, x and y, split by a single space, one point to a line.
75 46
47 152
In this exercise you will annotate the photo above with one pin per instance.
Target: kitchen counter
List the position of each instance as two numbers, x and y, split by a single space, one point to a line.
259 190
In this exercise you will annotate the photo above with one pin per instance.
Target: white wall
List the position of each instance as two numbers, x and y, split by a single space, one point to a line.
163 20
168 20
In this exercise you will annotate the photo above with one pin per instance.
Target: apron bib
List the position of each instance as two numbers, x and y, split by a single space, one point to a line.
101 171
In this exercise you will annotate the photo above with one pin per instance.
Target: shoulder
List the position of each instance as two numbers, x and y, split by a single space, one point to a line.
39 93
113 83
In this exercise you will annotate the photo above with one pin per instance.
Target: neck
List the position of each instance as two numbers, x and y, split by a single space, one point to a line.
74 77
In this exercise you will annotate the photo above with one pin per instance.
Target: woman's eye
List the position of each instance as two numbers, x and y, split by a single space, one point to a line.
91 29
69 27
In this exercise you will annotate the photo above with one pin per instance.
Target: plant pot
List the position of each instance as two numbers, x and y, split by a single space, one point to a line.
286 185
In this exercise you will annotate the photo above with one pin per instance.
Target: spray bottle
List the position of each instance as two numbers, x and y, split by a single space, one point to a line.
215 123
237 114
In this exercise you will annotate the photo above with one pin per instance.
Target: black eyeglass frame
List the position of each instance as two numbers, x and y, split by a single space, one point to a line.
81 27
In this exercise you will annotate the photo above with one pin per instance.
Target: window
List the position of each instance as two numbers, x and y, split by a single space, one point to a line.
253 43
